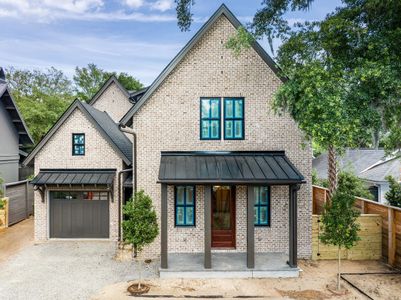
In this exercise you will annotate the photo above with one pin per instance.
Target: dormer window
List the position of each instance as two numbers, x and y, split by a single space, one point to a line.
78 144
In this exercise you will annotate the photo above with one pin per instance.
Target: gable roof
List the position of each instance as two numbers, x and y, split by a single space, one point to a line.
111 80
223 10
102 121
369 164
11 107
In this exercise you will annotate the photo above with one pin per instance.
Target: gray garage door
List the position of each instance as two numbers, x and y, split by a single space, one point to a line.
79 214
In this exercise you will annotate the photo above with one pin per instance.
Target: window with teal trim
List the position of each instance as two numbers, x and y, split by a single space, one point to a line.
78 144
234 119
210 119
262 206
184 206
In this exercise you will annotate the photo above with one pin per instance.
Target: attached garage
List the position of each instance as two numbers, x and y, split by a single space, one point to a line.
79 214
79 201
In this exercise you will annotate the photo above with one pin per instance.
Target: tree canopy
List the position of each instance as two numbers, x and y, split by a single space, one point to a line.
42 96
88 80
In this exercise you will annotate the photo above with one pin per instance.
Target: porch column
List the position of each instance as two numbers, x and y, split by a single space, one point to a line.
163 231
208 227
250 235
293 243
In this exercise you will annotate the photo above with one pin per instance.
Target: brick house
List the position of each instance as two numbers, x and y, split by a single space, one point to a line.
230 180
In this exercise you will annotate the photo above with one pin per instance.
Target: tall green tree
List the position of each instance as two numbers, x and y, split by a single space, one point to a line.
343 72
88 80
41 96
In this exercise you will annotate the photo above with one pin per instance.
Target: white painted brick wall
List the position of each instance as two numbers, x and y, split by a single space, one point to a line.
169 121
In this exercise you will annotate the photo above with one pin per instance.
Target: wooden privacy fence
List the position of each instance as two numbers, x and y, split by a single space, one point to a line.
391 222
369 247
20 200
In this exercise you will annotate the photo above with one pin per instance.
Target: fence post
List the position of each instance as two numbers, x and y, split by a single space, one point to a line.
26 200
391 237
362 206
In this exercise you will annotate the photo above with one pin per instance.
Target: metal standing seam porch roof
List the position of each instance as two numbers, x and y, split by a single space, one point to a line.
228 167
74 177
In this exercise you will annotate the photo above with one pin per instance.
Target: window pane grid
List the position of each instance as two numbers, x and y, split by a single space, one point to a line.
233 118
210 119
262 211
78 144
185 210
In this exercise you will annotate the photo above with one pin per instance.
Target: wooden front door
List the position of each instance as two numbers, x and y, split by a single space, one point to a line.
223 217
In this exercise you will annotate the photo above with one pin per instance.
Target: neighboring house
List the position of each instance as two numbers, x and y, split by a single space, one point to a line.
14 135
228 177
371 165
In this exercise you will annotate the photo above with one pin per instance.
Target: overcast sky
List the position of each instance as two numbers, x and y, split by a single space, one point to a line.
139 37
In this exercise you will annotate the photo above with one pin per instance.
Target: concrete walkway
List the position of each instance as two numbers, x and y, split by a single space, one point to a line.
15 238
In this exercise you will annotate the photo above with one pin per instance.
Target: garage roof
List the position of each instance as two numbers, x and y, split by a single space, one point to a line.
74 177
228 167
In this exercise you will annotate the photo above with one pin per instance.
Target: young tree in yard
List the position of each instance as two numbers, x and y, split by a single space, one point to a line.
393 196
88 81
140 226
343 86
339 225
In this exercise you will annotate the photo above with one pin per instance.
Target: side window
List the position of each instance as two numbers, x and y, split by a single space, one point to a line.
234 128
184 206
262 206
78 144
210 119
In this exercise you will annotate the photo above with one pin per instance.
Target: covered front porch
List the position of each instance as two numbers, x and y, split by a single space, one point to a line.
245 172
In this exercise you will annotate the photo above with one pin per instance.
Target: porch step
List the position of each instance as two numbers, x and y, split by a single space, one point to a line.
206 274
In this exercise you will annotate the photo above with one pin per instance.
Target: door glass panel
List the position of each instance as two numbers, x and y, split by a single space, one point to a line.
180 195
222 208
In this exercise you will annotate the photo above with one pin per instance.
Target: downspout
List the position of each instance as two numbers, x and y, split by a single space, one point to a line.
120 200
128 130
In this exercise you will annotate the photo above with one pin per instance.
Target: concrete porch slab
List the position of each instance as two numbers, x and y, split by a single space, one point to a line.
228 265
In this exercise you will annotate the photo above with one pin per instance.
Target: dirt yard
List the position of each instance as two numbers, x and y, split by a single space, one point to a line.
317 280
16 237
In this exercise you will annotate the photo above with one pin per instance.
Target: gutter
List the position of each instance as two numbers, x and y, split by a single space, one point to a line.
120 200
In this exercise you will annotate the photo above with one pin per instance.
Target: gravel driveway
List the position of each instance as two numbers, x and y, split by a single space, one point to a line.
64 270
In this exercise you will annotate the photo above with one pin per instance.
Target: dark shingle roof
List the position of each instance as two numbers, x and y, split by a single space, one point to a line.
111 129
102 121
369 164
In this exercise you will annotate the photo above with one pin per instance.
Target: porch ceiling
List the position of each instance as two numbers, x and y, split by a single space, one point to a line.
228 168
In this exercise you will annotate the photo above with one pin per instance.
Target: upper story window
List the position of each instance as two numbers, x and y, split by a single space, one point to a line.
78 144
262 206
210 119
233 118
185 206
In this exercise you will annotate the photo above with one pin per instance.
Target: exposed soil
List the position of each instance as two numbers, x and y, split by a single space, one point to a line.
15 237
378 286
315 282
